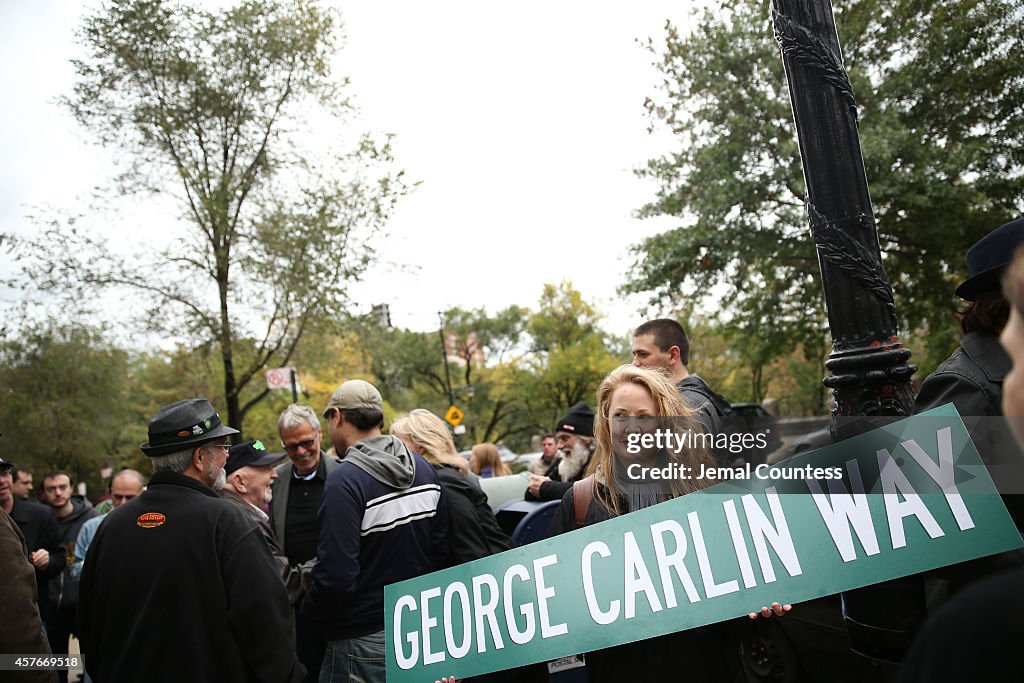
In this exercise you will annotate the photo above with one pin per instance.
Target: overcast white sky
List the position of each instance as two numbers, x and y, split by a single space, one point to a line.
523 121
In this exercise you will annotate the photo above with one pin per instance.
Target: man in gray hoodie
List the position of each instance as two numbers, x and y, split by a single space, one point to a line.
382 519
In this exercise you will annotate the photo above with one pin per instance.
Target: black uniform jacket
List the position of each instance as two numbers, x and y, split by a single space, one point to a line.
180 586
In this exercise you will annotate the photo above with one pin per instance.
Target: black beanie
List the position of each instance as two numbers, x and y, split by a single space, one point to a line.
579 420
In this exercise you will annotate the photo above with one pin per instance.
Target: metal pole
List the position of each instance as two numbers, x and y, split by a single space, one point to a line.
870 377
444 355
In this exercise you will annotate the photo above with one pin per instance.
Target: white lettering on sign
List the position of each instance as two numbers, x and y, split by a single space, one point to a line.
711 589
638 579
841 511
943 474
776 533
894 485
596 613
673 561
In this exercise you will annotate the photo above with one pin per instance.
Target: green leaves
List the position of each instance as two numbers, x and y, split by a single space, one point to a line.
212 106
940 96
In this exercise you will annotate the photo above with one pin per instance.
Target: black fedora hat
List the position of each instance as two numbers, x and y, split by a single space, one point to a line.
988 257
191 422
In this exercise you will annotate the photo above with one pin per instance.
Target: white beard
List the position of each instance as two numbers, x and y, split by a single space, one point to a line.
574 461
221 480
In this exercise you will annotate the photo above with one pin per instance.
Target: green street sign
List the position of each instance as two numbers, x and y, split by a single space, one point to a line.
902 499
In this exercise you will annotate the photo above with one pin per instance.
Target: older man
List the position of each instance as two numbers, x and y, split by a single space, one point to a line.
125 485
250 473
179 584
574 435
298 490
383 519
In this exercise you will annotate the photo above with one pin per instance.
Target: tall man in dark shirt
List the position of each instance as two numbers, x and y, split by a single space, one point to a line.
296 497
71 513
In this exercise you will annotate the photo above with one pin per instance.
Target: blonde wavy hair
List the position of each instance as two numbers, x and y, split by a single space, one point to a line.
432 438
676 416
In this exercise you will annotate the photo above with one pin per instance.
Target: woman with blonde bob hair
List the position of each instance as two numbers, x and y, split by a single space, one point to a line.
430 438
634 402
473 531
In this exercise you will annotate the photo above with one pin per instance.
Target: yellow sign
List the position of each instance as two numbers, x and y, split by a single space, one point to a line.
453 416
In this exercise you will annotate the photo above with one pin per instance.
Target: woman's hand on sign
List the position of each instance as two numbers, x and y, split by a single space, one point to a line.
451 679
776 609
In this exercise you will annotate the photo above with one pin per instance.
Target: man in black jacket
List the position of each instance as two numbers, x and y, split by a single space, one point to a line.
179 585
71 513
250 473
662 343
574 435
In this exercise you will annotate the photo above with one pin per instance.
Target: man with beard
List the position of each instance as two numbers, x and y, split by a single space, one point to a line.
179 562
250 473
574 435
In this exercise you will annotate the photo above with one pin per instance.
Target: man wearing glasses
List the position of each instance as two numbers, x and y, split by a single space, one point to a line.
297 492
178 562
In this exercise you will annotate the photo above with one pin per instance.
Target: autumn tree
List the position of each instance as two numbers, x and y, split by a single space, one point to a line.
233 112
941 106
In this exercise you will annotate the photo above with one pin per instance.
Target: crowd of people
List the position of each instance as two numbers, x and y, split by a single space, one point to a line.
227 566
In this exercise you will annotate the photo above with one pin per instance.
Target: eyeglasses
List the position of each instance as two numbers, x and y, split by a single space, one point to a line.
225 447
306 445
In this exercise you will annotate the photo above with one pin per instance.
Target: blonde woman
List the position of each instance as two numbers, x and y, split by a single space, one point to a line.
632 401
473 530
486 461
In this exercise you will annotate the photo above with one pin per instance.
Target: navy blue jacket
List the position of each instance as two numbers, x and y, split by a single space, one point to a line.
371 535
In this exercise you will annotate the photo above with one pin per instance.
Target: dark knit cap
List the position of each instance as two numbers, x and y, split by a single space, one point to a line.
579 420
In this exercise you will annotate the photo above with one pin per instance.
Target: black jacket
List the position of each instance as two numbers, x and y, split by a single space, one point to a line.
556 488
64 588
181 586
473 530
295 577
39 527
707 653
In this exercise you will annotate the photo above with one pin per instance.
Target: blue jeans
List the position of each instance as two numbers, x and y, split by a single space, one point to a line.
355 660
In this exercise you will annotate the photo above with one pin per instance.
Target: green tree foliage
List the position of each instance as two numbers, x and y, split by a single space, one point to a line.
61 400
512 373
212 106
940 98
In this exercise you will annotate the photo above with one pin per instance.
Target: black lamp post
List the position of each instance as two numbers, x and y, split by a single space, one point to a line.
869 376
